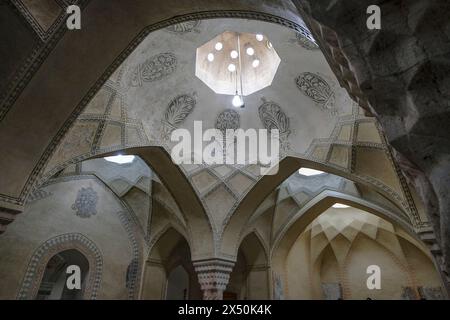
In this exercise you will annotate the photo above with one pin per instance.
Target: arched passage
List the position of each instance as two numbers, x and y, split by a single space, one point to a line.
163 278
266 185
325 256
316 207
250 278
202 243
41 257
53 284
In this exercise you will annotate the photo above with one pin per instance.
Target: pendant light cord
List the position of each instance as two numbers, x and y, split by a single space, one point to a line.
240 63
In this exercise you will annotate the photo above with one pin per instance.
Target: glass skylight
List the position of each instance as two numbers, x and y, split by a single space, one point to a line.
120 159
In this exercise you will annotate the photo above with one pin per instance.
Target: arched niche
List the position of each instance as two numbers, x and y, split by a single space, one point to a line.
63 244
53 284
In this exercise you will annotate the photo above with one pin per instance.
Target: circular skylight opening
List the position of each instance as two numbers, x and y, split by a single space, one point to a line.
218 46
120 159
234 54
340 206
309 172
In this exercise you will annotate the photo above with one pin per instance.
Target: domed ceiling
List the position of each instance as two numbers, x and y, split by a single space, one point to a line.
156 90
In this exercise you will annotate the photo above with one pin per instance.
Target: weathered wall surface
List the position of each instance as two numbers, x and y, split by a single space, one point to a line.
80 206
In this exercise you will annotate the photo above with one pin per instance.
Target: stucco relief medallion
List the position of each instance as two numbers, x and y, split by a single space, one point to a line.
273 117
316 88
153 69
184 27
177 111
86 203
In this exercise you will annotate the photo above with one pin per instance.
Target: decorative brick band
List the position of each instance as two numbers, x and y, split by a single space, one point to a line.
42 255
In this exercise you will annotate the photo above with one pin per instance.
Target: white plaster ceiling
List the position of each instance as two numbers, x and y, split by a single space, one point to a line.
147 100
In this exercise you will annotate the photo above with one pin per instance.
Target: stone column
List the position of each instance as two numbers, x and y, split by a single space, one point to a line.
213 276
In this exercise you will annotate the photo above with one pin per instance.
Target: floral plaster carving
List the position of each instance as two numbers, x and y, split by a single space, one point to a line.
177 111
316 88
154 69
273 117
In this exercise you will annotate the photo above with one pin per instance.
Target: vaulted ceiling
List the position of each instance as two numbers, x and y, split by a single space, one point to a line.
51 75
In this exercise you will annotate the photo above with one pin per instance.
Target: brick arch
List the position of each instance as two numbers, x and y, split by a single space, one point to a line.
43 254
233 232
285 239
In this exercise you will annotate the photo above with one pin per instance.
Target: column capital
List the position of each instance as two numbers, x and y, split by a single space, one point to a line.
213 276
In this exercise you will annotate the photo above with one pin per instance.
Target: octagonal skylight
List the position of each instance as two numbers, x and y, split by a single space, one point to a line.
237 63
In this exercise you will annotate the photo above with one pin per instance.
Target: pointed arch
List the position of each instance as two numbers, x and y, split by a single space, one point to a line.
288 235
43 254
266 185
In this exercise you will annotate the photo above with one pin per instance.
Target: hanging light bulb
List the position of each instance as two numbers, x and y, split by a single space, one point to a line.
218 46
250 51
232 67
210 57
234 54
259 37
237 101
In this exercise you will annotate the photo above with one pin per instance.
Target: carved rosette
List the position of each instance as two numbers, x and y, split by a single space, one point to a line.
153 69
273 117
316 88
177 111
213 276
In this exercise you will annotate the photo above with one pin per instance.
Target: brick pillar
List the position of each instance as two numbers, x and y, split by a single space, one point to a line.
213 276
